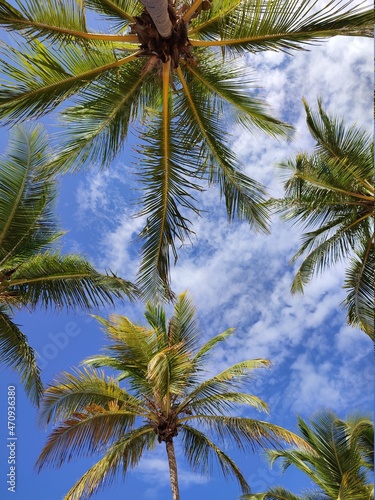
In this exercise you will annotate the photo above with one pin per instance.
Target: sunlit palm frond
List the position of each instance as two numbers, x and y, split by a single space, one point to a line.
72 392
200 452
226 401
333 461
247 433
278 493
84 432
130 352
183 325
119 11
27 223
16 353
98 123
243 196
167 176
360 428
231 84
229 379
45 19
210 344
123 455
331 194
70 281
359 283
279 25
157 319
45 79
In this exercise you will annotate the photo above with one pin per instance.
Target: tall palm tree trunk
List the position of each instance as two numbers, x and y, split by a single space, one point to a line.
158 10
173 470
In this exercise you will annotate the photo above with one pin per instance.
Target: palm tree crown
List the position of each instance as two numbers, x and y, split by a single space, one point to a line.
174 70
339 461
331 193
167 396
31 272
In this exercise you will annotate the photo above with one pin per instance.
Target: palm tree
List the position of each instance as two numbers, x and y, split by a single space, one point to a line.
168 394
339 461
331 194
173 91
32 273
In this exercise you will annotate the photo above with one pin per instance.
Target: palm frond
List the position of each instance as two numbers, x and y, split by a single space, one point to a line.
123 455
72 392
84 433
226 83
27 223
351 149
261 25
360 428
46 19
47 80
119 11
247 433
331 193
210 344
359 283
201 451
183 325
98 123
70 281
226 401
277 493
243 196
16 353
131 350
333 460
156 317
227 380
166 176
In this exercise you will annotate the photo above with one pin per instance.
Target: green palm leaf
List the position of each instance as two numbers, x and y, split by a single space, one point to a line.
45 18
360 284
200 451
123 455
261 25
227 83
99 122
331 194
70 281
16 353
334 460
166 174
27 222
48 80
243 196
73 392
120 11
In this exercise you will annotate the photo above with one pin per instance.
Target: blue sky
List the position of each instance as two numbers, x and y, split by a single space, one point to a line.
237 279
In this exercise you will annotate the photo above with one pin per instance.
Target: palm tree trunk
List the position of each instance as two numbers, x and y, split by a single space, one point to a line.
173 470
158 10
